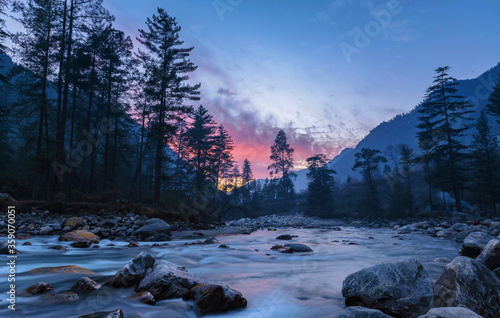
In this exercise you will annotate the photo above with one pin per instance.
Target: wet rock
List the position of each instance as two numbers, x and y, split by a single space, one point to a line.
45 230
81 244
27 244
450 312
442 260
73 223
459 227
461 236
39 288
144 297
80 235
158 230
85 284
299 247
23 236
467 283
110 314
133 272
284 237
211 240
361 312
210 298
276 247
60 298
407 229
398 289
474 244
286 250
168 280
68 269
490 256
223 246
134 244
58 247
198 234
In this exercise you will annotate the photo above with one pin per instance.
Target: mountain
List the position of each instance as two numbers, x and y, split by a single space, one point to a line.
402 129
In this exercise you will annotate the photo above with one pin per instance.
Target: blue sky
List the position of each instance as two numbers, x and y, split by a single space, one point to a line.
326 71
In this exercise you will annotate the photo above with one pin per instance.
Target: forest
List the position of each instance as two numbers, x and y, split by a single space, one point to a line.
86 117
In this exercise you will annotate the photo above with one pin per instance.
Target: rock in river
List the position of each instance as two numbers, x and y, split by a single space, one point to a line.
474 244
40 288
68 269
490 256
210 298
465 282
402 289
450 312
85 284
79 236
133 272
298 247
111 314
362 312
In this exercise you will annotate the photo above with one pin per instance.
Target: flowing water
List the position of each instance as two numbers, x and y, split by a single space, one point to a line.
275 284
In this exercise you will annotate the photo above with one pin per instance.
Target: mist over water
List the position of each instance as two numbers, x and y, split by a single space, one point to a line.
275 284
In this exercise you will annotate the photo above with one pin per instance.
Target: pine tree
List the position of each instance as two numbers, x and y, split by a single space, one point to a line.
282 155
493 107
407 161
320 187
487 164
246 179
222 154
368 160
443 120
167 67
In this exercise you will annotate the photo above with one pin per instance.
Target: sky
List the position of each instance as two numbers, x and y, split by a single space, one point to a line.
324 71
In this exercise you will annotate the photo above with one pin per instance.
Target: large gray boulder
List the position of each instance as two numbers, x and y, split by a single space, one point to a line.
490 256
167 280
362 312
401 289
133 272
211 298
474 244
158 230
450 312
465 282
297 248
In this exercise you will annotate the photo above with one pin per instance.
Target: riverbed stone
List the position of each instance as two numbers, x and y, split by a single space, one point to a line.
465 282
397 289
46 230
159 230
80 235
167 280
144 297
297 248
490 256
133 272
361 312
85 284
474 244
81 244
39 288
451 312
284 237
68 269
73 223
60 298
109 314
211 298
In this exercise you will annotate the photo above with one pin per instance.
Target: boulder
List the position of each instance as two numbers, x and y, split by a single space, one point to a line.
407 229
23 236
39 288
133 243
81 244
474 244
73 223
144 297
299 247
284 237
68 269
210 298
460 227
110 314
133 272
398 289
159 230
60 298
362 312
85 284
450 312
46 230
211 240
79 236
465 282
167 280
490 256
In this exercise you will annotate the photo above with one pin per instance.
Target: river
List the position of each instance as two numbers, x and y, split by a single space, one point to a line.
275 284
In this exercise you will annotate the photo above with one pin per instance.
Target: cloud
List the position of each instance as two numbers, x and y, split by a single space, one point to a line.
226 92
